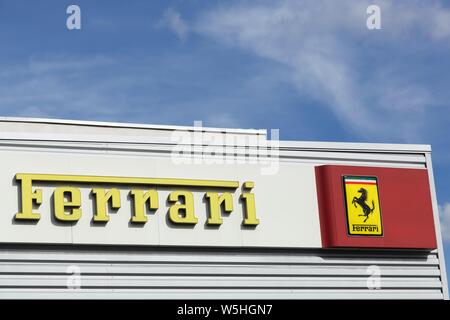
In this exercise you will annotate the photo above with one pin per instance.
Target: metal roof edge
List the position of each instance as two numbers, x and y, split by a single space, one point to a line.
356 146
129 125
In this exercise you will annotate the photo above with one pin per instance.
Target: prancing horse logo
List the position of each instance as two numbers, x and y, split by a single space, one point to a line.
361 200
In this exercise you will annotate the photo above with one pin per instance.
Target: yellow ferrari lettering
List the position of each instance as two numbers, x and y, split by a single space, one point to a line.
216 202
29 198
73 204
140 200
182 209
67 199
102 198
248 200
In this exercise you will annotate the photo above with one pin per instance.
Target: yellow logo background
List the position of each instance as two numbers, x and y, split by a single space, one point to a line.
363 206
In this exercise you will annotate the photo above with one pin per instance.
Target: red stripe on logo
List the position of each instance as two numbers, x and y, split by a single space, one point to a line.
360 182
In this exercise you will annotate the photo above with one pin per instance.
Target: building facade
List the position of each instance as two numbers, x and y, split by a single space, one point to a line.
115 210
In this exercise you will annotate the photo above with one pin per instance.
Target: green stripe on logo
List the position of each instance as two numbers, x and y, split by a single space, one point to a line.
360 178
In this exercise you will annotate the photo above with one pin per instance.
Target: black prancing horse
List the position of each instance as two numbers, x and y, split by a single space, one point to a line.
362 203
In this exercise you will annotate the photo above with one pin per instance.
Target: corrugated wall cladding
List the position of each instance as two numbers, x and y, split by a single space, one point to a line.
169 273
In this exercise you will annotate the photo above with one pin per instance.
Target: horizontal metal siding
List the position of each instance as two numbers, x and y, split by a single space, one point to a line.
285 154
40 272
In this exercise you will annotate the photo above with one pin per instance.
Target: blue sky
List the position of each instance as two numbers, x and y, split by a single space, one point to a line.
310 68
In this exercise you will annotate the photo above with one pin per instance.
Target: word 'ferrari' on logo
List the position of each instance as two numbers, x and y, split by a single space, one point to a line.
362 205
66 204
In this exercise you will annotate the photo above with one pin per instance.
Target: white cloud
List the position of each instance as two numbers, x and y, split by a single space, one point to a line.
111 88
58 87
172 19
441 25
444 215
320 42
